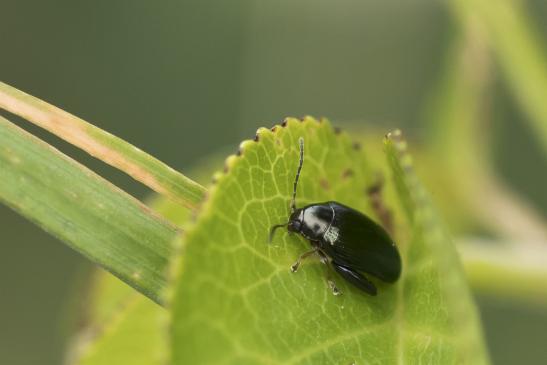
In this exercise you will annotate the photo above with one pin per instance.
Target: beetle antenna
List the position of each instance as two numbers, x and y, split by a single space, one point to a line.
293 201
272 230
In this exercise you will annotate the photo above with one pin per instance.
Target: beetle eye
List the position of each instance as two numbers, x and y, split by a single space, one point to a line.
294 226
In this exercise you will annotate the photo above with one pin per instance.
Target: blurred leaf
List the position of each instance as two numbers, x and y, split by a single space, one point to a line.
83 210
236 301
104 146
123 327
106 297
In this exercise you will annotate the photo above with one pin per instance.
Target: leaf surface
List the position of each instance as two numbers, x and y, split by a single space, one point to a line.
236 301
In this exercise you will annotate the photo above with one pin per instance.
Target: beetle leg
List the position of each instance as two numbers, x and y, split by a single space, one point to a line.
333 287
356 278
330 282
296 265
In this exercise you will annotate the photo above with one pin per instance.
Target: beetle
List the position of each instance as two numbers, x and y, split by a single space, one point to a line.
345 239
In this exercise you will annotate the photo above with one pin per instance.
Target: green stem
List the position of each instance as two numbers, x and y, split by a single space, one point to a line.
518 49
460 127
104 146
511 270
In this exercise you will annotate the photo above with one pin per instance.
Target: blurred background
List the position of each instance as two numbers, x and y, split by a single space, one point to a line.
185 79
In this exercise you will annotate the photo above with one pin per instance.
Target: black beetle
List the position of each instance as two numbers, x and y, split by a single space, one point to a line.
350 241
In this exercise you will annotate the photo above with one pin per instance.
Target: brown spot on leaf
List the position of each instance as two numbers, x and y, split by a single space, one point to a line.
324 183
347 173
374 193
374 189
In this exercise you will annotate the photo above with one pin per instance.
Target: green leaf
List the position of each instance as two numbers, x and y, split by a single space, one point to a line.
83 210
122 327
235 300
433 265
134 337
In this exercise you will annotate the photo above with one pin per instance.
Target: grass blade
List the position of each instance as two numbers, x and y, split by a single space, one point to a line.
104 146
85 211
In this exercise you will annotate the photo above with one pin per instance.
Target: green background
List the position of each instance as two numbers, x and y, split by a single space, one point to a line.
184 79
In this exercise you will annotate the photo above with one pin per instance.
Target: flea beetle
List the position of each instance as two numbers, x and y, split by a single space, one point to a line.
344 238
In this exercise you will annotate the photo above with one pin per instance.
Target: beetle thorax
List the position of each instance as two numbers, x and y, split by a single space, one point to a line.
313 221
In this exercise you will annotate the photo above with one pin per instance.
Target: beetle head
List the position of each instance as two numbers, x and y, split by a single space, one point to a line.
295 220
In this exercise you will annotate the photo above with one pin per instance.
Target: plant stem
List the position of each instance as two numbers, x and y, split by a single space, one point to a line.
460 140
518 49
512 270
